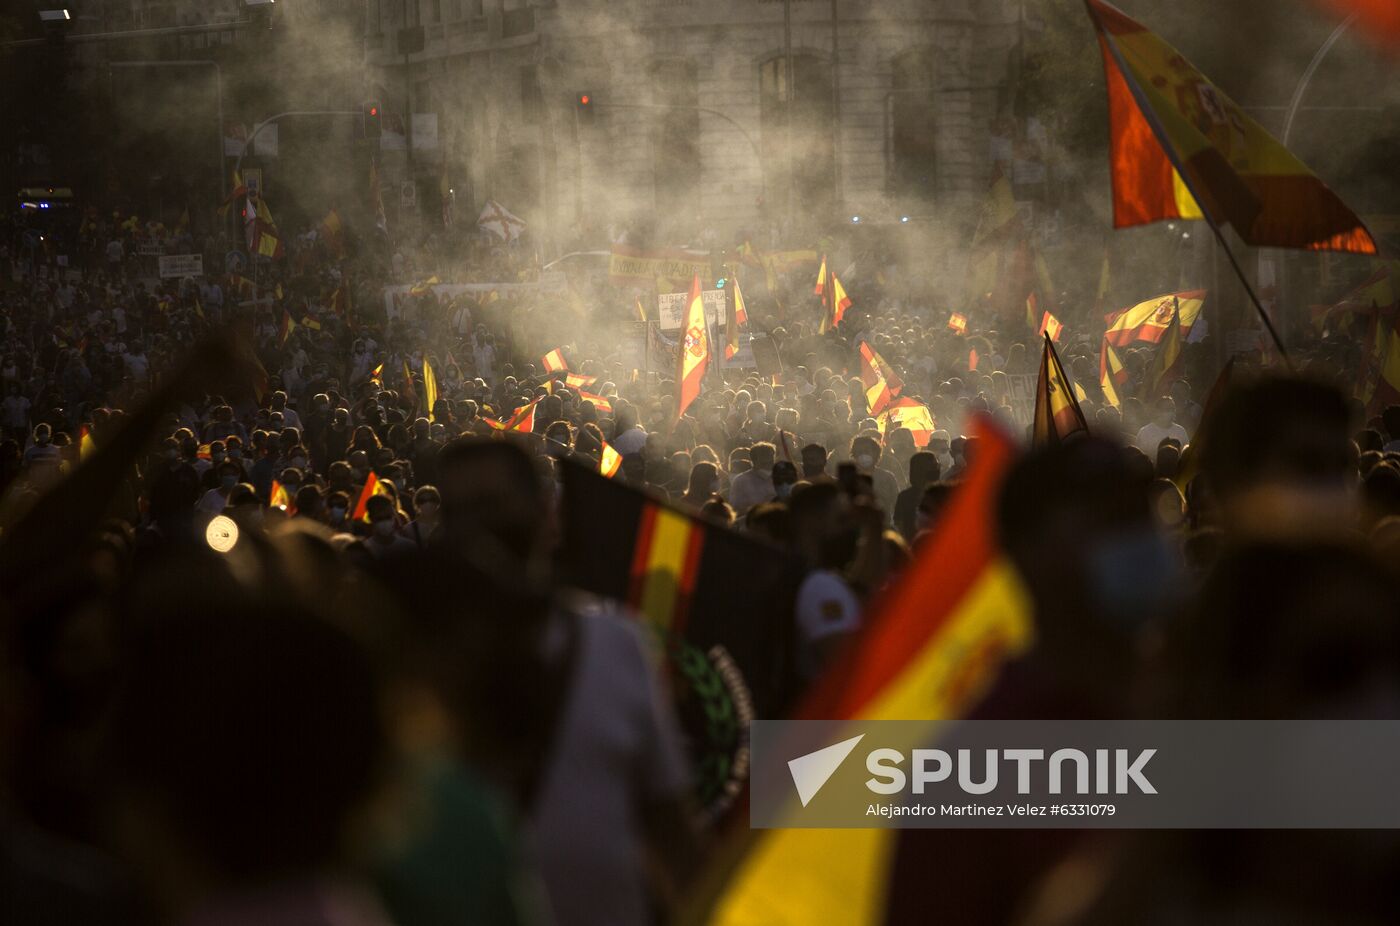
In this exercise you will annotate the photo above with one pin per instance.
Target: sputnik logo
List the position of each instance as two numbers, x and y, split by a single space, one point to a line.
812 771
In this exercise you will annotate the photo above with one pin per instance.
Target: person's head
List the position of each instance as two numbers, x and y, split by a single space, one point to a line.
427 503
490 487
923 469
43 434
337 508
821 526
739 461
229 474
865 451
309 503
1277 456
762 455
1390 417
383 516
717 511
1164 411
813 461
704 478
784 478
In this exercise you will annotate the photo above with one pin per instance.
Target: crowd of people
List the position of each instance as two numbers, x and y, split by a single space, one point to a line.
380 705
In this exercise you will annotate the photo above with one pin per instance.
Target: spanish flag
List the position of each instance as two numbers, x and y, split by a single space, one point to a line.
430 390
1148 321
1111 373
840 302
957 323
554 361
372 488
376 374
820 289
600 402
1164 364
1050 326
284 330
1182 149
931 645
739 318
880 381
694 351
423 287
910 414
578 380
1057 412
278 498
86 445
609 461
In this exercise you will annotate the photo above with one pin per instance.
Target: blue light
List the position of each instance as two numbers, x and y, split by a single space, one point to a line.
43 205
719 284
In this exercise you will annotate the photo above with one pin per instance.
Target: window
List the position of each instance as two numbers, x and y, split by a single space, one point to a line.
796 135
913 114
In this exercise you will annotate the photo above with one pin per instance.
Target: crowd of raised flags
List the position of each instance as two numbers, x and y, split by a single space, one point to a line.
907 519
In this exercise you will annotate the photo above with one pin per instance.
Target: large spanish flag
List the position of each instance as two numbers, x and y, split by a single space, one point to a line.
927 650
1057 412
881 382
910 414
694 351
1149 321
1182 149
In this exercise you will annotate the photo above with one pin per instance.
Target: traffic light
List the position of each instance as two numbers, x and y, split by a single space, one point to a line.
719 267
372 114
583 105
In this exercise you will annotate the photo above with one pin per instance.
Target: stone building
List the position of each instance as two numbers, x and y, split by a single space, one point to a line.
693 121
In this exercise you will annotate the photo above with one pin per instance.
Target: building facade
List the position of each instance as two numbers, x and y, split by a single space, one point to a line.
694 118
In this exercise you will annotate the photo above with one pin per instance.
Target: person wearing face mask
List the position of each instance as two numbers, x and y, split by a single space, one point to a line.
784 478
337 437
865 451
938 446
216 499
384 538
337 510
245 508
427 505
42 455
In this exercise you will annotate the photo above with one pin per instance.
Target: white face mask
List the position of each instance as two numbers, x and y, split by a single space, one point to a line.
865 461
384 528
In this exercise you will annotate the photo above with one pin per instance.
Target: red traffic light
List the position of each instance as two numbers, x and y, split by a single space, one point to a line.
374 110
583 99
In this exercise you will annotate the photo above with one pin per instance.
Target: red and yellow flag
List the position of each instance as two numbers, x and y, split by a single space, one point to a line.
1050 326
694 358
957 323
840 302
372 488
279 498
911 414
880 381
820 289
1111 373
930 647
1149 321
1182 149
1165 363
609 461
738 319
86 445
600 402
1057 411
554 361
579 381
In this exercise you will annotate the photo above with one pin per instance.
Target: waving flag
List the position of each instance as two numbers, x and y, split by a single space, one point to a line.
601 403
957 323
1182 149
1057 412
740 318
554 361
880 381
495 219
430 390
909 414
1111 373
609 461
931 645
372 488
820 289
694 351
1148 321
578 381
1050 326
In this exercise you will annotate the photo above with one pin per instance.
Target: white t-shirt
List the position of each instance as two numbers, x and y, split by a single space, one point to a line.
1152 434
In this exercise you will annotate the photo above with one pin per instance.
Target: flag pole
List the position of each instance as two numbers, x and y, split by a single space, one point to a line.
1258 307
